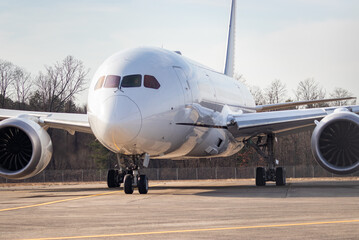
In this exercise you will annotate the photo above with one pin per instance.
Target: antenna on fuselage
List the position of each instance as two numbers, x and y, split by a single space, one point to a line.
229 67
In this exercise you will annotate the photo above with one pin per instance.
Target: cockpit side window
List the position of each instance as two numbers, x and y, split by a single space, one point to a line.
131 81
151 82
99 82
112 81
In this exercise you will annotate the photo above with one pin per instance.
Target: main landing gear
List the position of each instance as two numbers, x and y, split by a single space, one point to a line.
271 172
128 174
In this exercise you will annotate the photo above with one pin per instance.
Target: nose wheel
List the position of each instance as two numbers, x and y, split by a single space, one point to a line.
128 184
143 184
130 177
134 180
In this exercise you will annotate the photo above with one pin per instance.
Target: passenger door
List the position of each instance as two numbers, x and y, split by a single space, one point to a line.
184 83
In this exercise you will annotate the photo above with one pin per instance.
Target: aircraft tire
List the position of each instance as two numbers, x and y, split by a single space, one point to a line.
112 179
143 184
280 178
127 186
260 176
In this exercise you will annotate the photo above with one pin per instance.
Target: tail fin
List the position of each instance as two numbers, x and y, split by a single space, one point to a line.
229 68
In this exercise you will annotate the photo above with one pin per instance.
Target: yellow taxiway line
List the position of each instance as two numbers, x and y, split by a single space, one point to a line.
58 201
199 230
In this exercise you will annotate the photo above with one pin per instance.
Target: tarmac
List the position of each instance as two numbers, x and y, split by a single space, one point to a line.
205 209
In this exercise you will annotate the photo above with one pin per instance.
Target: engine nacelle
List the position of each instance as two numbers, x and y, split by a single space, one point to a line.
335 142
25 148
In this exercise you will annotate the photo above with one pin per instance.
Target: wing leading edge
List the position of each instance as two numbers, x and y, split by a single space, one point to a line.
71 122
275 106
253 124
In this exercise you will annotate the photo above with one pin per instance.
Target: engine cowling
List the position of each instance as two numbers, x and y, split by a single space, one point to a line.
25 148
335 142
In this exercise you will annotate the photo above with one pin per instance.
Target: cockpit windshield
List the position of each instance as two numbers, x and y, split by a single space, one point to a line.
112 81
131 81
100 82
151 82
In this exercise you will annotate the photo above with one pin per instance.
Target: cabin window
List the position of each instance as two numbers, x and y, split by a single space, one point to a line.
112 81
99 82
151 82
131 81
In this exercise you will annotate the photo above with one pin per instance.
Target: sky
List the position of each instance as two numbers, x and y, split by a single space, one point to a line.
275 39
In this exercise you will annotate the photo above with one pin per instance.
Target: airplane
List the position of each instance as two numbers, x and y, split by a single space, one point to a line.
151 103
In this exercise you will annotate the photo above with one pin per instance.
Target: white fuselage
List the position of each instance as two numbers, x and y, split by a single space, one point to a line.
160 98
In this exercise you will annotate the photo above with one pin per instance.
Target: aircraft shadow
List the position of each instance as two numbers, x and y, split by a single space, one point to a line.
296 189
291 190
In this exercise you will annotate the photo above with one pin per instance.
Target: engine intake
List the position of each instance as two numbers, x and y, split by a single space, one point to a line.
335 142
25 148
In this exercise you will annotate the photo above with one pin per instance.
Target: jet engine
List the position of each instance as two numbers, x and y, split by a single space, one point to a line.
335 142
25 148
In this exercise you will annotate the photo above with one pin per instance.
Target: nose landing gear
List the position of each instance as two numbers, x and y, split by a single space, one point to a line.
129 175
135 180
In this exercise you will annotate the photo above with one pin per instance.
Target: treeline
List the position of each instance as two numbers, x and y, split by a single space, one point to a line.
55 88
307 89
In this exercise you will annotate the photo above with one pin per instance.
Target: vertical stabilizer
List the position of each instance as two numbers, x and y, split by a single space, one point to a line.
229 68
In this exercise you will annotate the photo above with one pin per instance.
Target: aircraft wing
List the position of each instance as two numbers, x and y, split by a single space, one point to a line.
71 122
253 124
275 106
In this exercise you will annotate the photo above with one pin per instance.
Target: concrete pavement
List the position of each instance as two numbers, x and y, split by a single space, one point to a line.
208 209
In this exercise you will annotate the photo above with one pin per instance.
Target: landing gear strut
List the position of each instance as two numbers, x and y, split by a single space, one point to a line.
271 172
128 174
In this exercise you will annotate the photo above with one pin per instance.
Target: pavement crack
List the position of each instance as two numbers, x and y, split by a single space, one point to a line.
288 188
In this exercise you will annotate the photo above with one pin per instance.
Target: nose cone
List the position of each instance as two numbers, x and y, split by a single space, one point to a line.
119 121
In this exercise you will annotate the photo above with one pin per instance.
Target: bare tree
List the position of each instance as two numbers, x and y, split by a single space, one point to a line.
309 89
276 92
22 85
255 91
60 83
341 93
7 73
258 95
